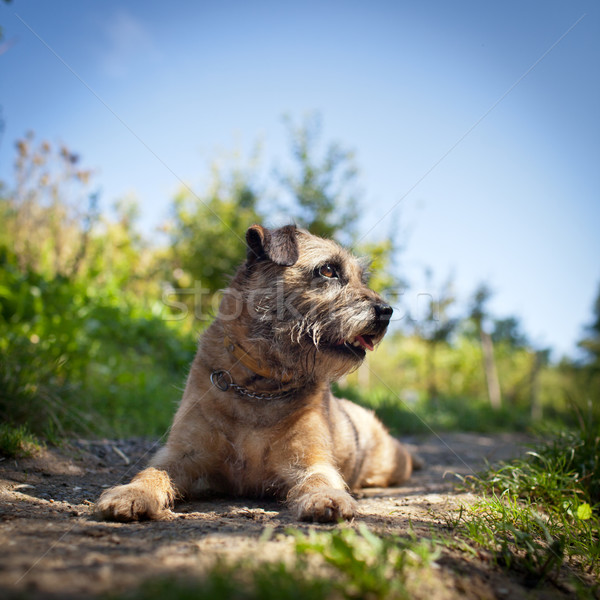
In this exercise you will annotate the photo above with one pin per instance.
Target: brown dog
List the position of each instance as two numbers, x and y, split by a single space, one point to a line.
257 416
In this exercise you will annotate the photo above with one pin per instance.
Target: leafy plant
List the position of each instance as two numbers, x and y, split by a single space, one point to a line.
365 564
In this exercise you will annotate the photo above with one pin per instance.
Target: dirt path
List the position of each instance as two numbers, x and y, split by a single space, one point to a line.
50 547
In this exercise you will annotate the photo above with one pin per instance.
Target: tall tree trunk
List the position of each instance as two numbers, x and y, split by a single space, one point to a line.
536 405
491 373
432 390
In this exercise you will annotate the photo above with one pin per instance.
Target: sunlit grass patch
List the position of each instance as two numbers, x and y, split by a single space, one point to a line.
341 563
542 510
517 533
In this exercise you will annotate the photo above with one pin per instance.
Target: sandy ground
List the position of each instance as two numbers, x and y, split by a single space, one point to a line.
51 547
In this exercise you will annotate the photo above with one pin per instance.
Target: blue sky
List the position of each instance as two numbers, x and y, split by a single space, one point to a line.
476 125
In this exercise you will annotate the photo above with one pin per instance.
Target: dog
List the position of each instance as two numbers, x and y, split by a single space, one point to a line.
257 417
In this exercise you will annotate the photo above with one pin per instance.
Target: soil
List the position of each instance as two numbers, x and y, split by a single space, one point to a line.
52 547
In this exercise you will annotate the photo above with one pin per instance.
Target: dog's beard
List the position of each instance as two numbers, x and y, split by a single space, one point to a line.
312 333
315 346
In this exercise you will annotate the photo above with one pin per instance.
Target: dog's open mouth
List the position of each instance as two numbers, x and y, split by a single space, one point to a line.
364 341
356 346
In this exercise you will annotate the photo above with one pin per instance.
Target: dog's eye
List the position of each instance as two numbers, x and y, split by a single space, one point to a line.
328 271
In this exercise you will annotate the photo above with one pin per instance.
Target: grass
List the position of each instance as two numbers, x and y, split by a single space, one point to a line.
17 442
351 564
33 391
341 563
542 511
234 582
518 535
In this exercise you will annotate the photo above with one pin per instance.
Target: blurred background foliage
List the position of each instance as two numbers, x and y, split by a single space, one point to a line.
98 324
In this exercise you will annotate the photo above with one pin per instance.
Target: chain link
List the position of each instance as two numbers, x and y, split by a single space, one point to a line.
217 378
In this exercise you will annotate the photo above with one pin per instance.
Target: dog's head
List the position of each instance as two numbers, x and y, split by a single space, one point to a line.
303 303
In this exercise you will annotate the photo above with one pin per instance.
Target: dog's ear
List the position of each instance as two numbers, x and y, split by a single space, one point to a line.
279 245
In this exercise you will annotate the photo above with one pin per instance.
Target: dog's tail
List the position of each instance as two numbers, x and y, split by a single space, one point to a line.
418 462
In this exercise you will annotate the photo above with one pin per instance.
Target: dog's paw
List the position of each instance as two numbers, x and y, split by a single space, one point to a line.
326 506
132 502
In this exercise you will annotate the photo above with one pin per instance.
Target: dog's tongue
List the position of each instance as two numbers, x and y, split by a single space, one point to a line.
365 342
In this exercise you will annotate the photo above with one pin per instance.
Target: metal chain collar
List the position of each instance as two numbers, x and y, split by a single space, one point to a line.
219 380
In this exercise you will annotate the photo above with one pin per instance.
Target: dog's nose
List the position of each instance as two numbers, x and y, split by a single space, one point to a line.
383 311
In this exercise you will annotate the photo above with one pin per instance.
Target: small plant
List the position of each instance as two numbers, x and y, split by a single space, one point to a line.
365 564
17 442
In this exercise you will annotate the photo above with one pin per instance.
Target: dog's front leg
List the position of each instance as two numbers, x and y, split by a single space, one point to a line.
320 494
152 492
316 490
149 495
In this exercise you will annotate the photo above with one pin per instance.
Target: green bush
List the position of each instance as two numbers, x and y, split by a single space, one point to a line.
73 361
424 415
